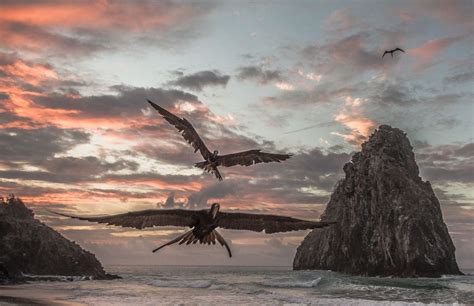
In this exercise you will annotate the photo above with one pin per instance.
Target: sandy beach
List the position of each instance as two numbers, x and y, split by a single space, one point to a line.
30 295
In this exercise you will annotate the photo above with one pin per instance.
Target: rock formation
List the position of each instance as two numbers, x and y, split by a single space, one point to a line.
389 220
28 246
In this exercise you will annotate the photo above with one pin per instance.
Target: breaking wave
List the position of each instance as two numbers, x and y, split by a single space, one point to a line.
182 283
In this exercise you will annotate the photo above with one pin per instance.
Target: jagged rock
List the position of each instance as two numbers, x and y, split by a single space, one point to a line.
28 246
389 220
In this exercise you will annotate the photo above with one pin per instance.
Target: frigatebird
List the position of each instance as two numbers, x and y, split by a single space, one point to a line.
213 160
203 223
392 51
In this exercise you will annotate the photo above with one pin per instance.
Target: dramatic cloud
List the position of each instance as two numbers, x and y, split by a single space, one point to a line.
352 117
37 145
448 163
82 27
77 133
197 81
259 74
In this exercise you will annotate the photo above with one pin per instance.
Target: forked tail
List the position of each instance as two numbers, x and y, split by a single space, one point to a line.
189 238
208 167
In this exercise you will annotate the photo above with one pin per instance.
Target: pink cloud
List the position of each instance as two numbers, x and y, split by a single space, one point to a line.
352 118
427 52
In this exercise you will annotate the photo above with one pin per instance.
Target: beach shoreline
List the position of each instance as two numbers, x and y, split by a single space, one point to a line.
24 294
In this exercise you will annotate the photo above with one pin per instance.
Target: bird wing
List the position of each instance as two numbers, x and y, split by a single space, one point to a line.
248 158
269 223
144 218
385 53
188 131
399 50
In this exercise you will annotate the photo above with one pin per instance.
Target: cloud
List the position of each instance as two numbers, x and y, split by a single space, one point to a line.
322 93
428 51
19 36
216 191
460 78
259 74
171 203
350 53
285 86
37 145
83 27
456 12
352 117
447 164
342 21
197 81
397 94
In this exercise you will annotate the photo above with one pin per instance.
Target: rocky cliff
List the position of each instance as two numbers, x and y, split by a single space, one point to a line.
389 220
28 246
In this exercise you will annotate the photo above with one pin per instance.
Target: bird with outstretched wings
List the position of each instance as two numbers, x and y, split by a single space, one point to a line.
213 160
392 51
203 223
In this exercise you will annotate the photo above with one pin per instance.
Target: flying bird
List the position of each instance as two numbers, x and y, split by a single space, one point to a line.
203 223
214 160
392 51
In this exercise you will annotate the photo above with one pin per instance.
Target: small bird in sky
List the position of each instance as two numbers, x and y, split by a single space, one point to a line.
392 51
214 160
203 223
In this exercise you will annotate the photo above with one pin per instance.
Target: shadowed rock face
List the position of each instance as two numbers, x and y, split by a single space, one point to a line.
28 246
389 220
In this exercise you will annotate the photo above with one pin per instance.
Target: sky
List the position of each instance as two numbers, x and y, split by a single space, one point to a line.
305 77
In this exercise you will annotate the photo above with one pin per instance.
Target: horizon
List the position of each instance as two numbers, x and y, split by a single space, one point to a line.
303 77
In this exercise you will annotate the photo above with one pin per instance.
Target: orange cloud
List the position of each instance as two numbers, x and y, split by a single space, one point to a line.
98 14
79 27
32 74
155 183
351 117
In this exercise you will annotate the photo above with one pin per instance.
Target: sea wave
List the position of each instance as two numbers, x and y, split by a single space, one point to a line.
293 284
182 283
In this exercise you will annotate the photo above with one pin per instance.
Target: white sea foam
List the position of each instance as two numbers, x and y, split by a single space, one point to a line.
293 284
182 283
151 285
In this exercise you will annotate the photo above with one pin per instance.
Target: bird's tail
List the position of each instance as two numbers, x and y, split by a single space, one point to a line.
173 241
217 174
208 167
222 241
189 238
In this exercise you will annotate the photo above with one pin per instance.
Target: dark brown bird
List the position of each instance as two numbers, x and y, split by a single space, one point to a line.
392 51
213 160
203 223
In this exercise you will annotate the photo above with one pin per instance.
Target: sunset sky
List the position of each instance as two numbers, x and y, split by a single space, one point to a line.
306 77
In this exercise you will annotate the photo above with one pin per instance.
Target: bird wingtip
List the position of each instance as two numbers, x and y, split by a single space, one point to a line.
151 102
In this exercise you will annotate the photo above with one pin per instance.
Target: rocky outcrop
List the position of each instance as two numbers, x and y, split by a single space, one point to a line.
389 220
28 246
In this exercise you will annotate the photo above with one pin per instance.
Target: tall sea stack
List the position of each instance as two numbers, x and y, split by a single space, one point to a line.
389 220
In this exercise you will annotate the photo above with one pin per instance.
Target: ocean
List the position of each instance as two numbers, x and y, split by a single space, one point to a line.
219 285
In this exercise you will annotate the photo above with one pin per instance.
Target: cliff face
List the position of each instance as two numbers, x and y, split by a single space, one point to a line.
28 246
389 220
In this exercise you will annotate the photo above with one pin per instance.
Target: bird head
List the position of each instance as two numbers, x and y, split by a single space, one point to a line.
215 153
214 210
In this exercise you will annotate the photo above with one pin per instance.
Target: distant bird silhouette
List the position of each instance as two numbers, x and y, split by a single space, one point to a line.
392 51
213 160
204 223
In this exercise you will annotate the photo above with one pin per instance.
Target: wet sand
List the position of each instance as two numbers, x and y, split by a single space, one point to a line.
29 295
